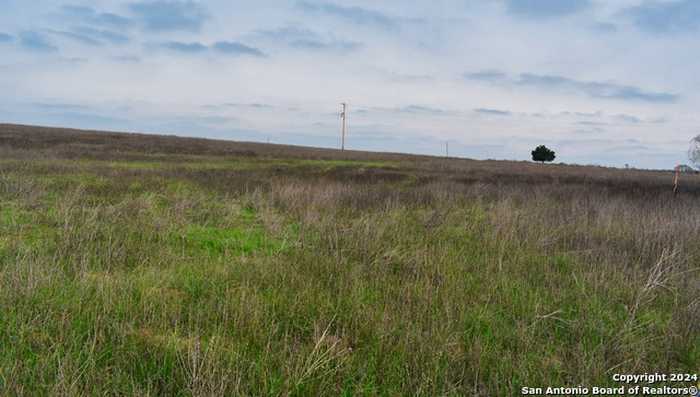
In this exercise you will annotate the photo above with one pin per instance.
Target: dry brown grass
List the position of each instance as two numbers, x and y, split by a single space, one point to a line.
151 265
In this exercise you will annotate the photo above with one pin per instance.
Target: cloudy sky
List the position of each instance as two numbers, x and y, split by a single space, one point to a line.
601 82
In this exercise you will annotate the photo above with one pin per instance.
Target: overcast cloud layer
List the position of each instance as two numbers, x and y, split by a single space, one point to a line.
601 82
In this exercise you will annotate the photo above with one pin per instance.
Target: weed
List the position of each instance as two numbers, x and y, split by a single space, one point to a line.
149 265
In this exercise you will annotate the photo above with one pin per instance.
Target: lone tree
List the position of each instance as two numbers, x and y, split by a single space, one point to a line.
542 154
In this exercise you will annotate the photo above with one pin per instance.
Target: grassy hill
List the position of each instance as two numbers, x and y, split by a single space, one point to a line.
152 265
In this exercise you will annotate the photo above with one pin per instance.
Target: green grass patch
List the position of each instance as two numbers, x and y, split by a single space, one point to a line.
213 241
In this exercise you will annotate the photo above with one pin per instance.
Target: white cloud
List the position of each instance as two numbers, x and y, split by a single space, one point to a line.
406 56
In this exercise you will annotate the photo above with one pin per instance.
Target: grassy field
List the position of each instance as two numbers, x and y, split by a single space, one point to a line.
145 265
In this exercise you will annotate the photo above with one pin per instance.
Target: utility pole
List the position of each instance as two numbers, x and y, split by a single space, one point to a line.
344 124
447 149
676 177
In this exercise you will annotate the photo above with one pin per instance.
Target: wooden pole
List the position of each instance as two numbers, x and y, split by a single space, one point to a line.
676 179
344 117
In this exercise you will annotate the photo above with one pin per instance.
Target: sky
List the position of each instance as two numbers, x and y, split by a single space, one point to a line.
611 82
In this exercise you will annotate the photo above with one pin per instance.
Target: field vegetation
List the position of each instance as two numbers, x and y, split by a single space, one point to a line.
151 265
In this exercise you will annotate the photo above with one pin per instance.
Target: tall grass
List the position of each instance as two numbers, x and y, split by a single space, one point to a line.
185 273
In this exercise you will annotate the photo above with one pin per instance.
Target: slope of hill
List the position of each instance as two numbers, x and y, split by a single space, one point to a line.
152 265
